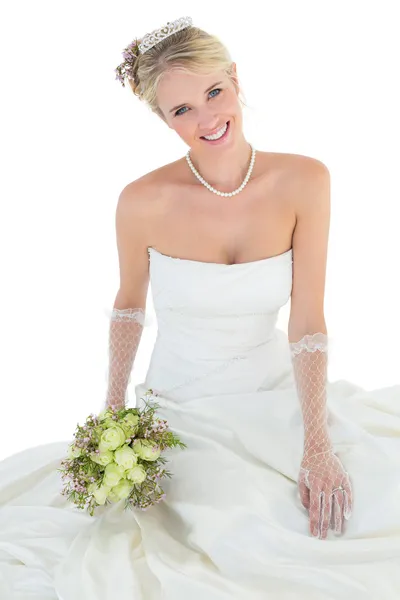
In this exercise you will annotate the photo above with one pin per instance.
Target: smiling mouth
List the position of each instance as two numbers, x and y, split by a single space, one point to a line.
227 124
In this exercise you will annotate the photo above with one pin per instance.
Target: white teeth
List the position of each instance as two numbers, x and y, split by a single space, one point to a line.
217 135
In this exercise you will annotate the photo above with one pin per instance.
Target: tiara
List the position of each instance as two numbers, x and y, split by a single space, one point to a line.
140 46
151 39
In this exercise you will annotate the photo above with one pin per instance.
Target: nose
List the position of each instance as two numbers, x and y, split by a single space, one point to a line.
208 126
208 121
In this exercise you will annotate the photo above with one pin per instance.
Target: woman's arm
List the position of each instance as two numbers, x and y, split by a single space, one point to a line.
307 321
128 314
324 485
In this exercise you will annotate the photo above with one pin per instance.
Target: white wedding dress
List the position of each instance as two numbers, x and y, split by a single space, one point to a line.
232 525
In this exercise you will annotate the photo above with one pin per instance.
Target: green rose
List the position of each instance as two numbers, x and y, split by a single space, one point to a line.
109 423
112 438
125 457
103 459
100 494
73 452
137 474
130 423
104 414
146 450
122 489
113 474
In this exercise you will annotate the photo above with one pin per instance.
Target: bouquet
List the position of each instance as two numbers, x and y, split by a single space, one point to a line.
117 455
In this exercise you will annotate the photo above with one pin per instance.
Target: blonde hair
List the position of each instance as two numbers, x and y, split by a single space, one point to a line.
191 49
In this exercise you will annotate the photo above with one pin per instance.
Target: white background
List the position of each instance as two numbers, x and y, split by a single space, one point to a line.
320 78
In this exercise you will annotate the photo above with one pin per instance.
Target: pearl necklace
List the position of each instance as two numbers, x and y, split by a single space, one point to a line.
212 189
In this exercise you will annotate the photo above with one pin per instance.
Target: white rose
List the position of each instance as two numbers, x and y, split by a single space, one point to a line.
146 450
125 457
100 494
113 474
108 423
137 474
105 413
123 489
103 459
73 452
112 438
130 423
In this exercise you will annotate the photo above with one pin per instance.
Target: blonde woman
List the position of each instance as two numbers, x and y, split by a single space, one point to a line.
284 491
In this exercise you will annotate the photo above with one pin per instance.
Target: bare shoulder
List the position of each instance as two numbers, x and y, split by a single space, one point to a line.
142 200
304 169
314 187
143 188
140 197
132 210
134 215
302 178
311 192
161 175
294 167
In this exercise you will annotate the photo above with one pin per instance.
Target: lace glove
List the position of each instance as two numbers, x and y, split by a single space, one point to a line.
126 326
324 484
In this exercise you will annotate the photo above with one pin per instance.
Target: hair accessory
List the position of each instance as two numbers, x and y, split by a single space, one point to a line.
151 39
140 46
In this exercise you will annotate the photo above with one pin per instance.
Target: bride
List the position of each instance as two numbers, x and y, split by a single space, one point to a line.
290 484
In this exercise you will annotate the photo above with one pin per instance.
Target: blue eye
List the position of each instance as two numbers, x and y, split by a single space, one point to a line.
215 90
178 112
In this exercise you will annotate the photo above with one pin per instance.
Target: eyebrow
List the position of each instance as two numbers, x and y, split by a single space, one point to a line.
207 90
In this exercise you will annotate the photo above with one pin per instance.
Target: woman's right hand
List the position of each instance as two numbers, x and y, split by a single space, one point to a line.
325 491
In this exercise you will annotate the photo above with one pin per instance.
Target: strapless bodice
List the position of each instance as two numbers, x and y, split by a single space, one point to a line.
207 289
213 316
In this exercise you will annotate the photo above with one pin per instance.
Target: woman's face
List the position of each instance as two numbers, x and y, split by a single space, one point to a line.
197 105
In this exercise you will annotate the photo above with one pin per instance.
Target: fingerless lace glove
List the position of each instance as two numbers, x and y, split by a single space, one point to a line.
125 332
324 485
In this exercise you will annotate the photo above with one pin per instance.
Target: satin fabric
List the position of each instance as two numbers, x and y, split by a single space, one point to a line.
232 525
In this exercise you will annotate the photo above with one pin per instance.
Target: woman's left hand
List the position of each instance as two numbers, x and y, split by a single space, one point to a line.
325 491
